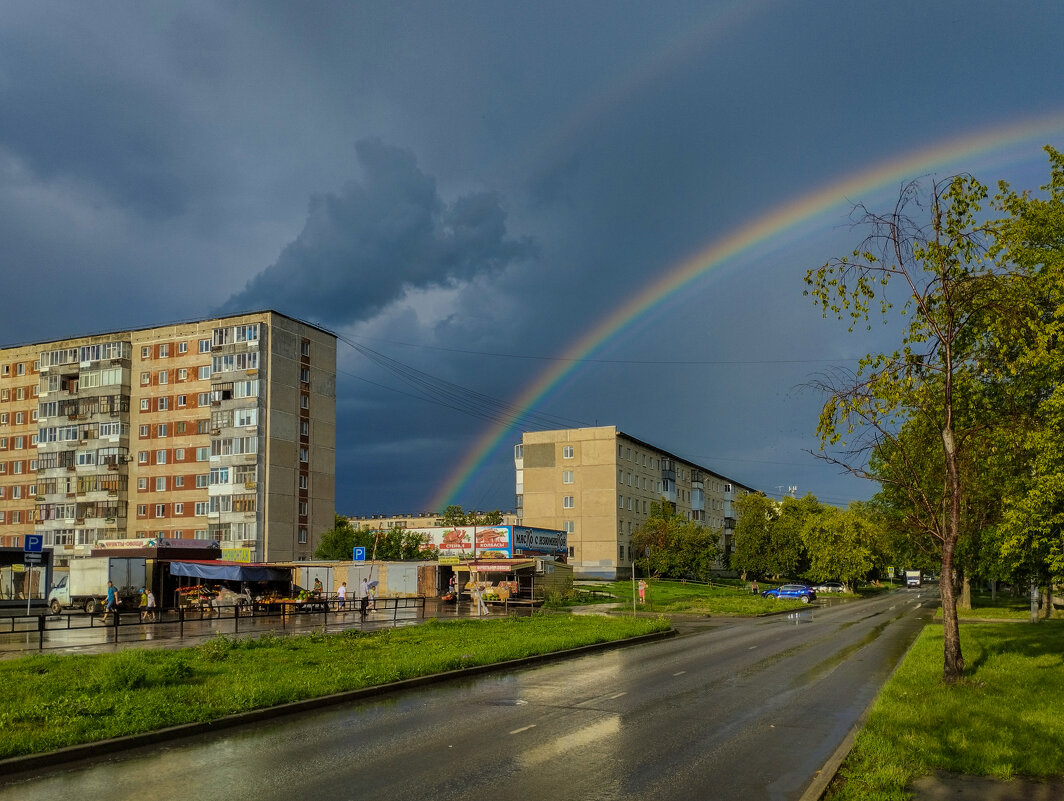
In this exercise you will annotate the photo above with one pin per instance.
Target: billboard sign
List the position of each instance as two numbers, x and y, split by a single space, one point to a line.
503 542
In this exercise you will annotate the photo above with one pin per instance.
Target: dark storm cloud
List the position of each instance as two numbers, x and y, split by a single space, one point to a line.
365 246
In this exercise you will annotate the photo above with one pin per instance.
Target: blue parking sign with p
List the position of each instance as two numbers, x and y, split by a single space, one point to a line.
34 543
359 554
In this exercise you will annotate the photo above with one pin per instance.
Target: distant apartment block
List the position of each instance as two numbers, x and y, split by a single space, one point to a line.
598 484
221 429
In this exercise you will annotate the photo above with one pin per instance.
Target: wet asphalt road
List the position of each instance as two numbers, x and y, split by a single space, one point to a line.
745 709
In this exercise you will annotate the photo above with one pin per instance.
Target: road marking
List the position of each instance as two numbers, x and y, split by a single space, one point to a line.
615 697
752 647
680 673
523 728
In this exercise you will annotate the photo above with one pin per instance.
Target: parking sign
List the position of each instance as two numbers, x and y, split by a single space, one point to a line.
34 543
359 554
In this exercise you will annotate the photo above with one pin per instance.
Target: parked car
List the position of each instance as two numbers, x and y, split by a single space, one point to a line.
830 586
798 592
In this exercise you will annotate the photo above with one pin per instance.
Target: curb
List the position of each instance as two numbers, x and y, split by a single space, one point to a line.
11 766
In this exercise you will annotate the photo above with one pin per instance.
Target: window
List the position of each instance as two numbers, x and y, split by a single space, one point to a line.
304 428
179 481
570 526
205 372
179 508
302 536
203 455
304 401
20 418
182 347
145 379
160 457
304 348
304 508
302 482
145 404
620 501
304 375
629 504
202 507
142 457
568 502
160 510
628 479
164 350
204 347
519 451
145 352
181 401
160 430
142 510
567 476
567 452
142 483
303 454
201 480
203 399
144 432
182 374
179 455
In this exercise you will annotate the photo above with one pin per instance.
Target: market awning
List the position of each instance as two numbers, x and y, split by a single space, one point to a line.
496 565
228 571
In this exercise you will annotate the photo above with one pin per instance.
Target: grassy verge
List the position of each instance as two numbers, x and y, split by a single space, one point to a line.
1001 607
732 598
51 701
1004 719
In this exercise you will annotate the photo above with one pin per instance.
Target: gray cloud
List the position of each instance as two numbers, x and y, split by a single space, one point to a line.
363 247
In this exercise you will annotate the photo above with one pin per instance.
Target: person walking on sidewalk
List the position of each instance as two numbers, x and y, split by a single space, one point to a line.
363 598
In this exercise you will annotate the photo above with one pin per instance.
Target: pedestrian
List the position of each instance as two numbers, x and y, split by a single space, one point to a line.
453 588
363 598
753 587
111 604
317 587
341 596
372 595
151 606
143 605
642 591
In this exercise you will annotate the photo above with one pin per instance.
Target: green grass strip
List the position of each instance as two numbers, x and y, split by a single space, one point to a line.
665 596
51 701
1004 719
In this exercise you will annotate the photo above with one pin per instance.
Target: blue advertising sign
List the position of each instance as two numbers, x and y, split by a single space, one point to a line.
358 554
34 543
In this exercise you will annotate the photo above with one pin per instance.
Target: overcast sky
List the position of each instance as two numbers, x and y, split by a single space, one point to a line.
462 190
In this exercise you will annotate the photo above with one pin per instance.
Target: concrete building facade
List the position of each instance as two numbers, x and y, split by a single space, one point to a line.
220 429
598 484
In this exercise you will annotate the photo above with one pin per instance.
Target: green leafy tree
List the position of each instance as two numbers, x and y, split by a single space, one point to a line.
965 306
768 535
454 515
341 539
841 544
671 546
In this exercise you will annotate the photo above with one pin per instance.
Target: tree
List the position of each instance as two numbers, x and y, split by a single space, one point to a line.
340 541
960 307
841 544
768 535
455 515
672 546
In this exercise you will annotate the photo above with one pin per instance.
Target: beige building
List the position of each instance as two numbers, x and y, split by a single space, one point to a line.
597 485
220 429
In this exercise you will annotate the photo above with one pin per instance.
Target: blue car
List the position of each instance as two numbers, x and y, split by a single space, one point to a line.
798 592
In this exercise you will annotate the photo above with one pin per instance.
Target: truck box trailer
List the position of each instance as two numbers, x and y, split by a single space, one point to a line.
85 584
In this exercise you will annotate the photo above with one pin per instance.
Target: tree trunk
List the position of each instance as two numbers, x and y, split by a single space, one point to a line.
953 661
965 601
1047 601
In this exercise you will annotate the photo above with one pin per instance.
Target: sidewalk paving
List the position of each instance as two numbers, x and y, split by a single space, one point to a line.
954 787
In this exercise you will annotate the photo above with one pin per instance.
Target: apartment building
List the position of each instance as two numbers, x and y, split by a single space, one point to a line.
598 484
221 429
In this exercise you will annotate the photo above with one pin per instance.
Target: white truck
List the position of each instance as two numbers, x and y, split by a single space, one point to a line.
86 583
912 578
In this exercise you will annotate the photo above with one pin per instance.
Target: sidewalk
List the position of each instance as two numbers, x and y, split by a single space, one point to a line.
953 787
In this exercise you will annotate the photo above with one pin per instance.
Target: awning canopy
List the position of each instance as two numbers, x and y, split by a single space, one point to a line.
228 571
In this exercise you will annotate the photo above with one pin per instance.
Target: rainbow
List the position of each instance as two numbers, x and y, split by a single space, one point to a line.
775 225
